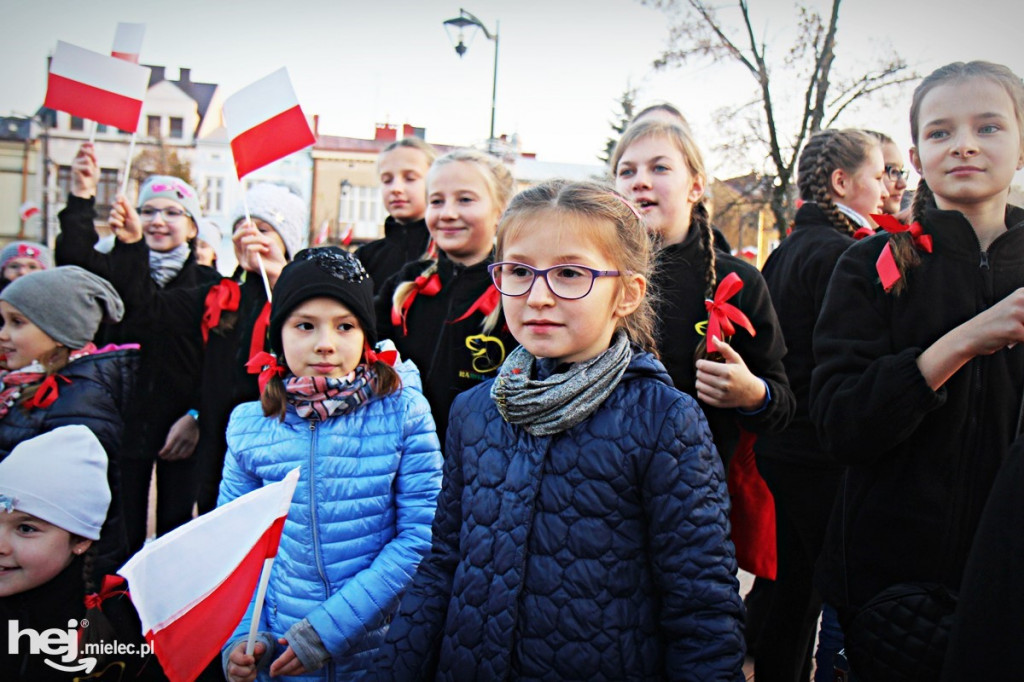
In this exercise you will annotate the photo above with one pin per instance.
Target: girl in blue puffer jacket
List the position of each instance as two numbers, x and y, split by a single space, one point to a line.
582 531
362 433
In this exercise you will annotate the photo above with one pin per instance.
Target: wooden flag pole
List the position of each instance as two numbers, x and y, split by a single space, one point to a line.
259 258
128 167
92 134
257 609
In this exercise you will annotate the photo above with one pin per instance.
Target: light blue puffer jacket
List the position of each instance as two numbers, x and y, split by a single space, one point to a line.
359 522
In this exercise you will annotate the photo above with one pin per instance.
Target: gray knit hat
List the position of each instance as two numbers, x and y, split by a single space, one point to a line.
36 252
67 303
59 477
175 189
283 210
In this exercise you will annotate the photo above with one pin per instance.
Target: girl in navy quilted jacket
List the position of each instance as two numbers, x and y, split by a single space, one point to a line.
362 433
582 529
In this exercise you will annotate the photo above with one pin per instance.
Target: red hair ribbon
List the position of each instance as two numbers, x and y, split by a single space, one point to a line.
222 297
888 271
428 286
863 233
722 314
387 354
259 331
112 587
47 392
264 364
486 304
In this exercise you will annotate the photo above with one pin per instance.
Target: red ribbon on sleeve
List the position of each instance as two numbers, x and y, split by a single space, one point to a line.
888 271
722 314
264 364
428 286
222 297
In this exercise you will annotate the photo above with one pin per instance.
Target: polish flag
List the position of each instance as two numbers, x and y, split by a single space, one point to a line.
97 87
321 236
27 210
128 42
346 238
192 586
265 123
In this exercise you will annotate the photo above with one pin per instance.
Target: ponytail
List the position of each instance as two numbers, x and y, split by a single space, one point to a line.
700 220
274 398
904 253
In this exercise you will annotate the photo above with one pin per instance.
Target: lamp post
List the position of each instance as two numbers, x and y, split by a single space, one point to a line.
455 29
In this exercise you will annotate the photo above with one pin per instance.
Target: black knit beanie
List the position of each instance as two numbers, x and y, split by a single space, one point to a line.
326 271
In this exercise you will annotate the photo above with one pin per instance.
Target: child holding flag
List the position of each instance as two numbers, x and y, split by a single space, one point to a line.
53 500
361 430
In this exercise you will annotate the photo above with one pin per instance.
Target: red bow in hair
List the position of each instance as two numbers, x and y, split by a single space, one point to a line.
486 304
221 297
722 314
888 271
428 286
47 392
387 354
259 331
264 364
112 587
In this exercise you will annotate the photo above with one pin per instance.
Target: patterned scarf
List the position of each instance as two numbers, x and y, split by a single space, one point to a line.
544 407
318 398
14 383
165 265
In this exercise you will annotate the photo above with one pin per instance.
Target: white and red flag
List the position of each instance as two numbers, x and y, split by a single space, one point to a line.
265 123
192 586
128 42
346 238
321 236
28 209
97 87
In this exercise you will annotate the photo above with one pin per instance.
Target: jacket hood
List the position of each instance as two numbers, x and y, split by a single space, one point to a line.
644 365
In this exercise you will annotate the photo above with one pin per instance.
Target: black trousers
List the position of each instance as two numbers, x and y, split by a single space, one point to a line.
803 502
175 496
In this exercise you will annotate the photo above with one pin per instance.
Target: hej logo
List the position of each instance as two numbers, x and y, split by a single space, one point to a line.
52 642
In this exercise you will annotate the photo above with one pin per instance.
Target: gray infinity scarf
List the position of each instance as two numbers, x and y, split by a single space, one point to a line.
165 266
544 407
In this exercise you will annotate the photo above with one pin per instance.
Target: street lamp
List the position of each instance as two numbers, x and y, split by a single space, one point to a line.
455 28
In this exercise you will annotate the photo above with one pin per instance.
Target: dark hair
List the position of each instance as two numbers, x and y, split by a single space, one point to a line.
904 253
626 243
826 152
99 628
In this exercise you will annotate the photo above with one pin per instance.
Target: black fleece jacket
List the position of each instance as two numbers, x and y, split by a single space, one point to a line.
452 356
920 462
680 291
402 243
797 274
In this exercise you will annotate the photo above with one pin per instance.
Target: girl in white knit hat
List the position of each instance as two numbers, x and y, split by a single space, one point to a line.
54 498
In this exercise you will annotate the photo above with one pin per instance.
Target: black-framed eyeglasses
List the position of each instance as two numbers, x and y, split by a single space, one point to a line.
895 173
171 213
568 281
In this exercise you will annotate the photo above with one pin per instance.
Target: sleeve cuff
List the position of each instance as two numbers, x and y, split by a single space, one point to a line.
307 645
764 405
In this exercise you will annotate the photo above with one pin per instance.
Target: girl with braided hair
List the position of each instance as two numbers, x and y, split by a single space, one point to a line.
659 167
841 183
919 339
444 314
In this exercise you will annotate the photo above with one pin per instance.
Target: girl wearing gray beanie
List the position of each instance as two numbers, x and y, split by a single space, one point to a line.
55 376
152 259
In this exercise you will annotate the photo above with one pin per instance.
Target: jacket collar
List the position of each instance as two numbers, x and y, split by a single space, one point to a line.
954 235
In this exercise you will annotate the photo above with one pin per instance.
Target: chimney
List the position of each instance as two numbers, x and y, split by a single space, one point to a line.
316 125
185 75
157 75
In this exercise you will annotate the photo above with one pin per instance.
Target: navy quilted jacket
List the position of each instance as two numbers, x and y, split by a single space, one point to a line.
600 553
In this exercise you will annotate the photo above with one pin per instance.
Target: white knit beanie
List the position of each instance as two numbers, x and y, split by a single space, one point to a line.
281 209
59 477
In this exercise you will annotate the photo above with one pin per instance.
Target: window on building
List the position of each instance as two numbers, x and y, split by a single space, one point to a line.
106 190
213 195
63 182
177 128
153 126
101 128
77 123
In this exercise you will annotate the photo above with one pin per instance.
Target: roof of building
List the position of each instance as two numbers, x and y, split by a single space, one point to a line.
202 93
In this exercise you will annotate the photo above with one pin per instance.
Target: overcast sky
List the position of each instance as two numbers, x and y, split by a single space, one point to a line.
562 63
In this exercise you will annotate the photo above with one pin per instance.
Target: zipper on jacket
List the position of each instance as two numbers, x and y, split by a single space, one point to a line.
984 260
314 521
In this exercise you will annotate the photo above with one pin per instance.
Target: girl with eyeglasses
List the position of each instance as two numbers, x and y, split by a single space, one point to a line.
443 313
895 176
582 527
158 426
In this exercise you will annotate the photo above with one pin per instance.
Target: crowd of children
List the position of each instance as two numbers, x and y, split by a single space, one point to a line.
515 415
